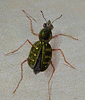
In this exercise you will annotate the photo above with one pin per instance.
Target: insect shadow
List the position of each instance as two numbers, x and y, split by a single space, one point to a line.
41 52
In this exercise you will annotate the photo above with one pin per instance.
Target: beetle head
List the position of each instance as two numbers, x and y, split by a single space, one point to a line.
48 25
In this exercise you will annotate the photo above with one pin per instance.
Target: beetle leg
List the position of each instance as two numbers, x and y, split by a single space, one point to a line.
63 57
21 75
64 35
50 79
30 23
19 47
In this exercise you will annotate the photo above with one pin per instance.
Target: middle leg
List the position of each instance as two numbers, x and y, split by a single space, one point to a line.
18 48
64 35
21 75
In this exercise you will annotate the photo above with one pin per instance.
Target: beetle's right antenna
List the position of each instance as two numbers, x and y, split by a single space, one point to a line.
43 15
57 18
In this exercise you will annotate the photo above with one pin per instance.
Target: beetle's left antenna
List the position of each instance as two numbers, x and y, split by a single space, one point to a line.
43 15
28 15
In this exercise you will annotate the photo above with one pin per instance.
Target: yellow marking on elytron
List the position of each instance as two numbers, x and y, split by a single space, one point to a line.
31 59
42 42
45 66
39 43
35 47
48 49
47 57
33 53
43 52
45 62
46 44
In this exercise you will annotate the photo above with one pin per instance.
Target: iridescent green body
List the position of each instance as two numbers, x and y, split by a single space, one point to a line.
41 51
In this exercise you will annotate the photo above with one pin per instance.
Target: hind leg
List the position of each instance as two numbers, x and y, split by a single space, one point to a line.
21 75
50 79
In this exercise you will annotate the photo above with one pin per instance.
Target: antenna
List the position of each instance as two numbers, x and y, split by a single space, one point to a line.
57 18
28 15
43 15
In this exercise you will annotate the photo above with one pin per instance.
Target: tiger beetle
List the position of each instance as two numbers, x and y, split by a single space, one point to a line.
41 52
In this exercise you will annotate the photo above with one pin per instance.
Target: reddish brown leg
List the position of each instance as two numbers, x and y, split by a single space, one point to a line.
30 23
63 57
21 75
50 80
19 47
64 35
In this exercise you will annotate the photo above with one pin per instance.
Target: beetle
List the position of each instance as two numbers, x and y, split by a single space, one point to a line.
41 52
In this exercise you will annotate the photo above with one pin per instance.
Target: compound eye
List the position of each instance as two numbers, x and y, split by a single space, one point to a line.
44 25
51 26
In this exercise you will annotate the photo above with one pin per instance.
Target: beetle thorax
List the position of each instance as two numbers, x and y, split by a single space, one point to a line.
45 35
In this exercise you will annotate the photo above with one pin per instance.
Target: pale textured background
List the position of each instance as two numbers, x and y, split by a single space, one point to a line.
67 83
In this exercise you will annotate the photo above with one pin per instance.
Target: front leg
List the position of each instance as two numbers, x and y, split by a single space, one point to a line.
29 17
